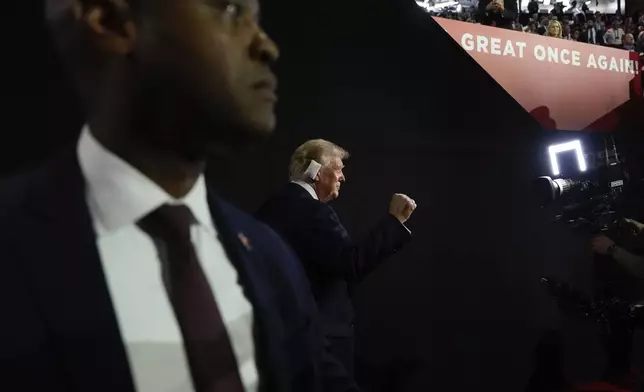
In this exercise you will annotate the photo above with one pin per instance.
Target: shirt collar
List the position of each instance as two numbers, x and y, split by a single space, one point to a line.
120 195
309 188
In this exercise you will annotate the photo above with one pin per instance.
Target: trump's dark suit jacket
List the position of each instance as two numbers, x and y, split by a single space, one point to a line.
58 330
333 262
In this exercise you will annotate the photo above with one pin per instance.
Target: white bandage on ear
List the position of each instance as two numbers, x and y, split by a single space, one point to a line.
313 169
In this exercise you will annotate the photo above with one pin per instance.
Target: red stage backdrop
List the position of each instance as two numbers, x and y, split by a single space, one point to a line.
565 85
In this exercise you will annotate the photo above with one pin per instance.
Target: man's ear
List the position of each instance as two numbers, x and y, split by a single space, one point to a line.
110 22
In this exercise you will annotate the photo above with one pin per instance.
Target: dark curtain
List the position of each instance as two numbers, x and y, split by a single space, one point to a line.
461 308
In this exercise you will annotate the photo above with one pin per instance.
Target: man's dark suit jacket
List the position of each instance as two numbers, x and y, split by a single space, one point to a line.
332 261
58 330
586 36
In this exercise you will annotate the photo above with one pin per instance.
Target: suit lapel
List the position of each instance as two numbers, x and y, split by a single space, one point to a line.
301 193
68 280
260 291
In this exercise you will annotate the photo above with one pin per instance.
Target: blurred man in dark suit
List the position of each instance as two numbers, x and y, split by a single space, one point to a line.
333 262
590 34
533 8
121 268
499 13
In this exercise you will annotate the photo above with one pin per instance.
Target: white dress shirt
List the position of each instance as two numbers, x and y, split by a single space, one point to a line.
309 188
592 36
118 196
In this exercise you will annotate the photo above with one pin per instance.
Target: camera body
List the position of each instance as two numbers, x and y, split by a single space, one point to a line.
589 197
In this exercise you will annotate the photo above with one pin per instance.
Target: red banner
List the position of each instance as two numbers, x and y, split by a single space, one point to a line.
565 85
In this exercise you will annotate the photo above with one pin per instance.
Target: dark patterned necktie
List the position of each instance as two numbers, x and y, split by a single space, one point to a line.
210 355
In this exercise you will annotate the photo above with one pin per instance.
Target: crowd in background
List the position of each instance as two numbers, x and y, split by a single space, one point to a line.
575 23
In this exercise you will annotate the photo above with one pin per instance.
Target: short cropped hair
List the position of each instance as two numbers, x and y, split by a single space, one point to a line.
62 18
319 150
55 9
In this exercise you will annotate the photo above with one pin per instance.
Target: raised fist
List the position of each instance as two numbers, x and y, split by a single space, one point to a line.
401 206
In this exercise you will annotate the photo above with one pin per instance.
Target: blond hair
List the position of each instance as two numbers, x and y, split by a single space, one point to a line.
318 150
555 23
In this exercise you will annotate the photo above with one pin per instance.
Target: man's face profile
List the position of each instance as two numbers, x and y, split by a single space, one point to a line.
203 64
218 52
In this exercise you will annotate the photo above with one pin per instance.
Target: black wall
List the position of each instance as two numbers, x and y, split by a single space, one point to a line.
381 79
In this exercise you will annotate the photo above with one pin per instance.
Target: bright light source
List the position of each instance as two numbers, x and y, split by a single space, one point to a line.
557 148
424 4
431 6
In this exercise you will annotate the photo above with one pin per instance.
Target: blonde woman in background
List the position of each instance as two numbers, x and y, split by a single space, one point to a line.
554 29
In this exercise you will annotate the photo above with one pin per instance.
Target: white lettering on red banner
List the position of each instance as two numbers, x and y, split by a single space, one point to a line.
550 54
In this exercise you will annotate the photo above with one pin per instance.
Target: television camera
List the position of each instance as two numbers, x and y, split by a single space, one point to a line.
593 197
590 199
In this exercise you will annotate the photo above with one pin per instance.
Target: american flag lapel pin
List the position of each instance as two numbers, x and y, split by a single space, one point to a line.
244 240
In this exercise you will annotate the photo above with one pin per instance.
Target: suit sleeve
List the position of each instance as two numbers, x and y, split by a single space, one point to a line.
26 357
333 376
480 11
328 249
511 9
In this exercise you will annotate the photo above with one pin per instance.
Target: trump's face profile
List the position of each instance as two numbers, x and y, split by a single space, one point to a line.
329 180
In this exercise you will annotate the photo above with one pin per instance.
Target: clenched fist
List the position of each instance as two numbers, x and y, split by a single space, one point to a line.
401 206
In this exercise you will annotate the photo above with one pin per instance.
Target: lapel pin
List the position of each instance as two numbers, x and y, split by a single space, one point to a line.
244 240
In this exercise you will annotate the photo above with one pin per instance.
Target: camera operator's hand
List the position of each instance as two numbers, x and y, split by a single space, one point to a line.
602 245
401 206
634 225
